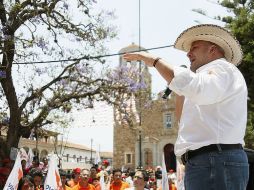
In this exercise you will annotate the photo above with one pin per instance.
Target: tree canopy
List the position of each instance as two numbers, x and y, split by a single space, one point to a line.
35 95
241 24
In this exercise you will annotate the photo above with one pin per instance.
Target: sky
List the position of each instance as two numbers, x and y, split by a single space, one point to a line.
161 22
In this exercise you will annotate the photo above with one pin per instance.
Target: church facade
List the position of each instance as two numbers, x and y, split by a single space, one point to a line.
152 135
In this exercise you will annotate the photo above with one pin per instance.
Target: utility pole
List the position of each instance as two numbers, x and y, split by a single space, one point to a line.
91 159
140 103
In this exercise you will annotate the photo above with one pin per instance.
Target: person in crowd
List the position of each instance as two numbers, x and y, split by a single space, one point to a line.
37 178
128 177
211 107
63 176
106 166
96 183
35 165
118 183
5 171
93 173
26 183
45 166
75 178
158 175
140 180
83 182
172 175
24 169
152 180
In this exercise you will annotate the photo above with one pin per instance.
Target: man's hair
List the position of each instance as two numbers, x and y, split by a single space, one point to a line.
36 172
85 169
145 174
27 179
62 172
93 167
117 170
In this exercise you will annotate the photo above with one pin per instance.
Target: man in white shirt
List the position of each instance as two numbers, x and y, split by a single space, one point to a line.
211 107
140 180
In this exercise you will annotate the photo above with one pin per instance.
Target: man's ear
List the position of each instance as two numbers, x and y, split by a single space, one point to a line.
213 48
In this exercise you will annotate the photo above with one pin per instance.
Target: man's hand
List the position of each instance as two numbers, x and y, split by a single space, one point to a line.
140 56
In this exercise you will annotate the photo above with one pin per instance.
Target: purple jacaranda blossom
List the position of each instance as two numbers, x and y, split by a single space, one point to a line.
124 105
39 71
35 20
128 76
42 44
110 13
64 82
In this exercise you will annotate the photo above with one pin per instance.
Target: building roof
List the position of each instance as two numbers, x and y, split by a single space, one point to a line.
131 47
74 145
106 154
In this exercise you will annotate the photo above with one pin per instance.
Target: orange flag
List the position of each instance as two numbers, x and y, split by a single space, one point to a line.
15 175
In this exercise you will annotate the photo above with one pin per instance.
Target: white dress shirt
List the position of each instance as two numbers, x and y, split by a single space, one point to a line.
215 106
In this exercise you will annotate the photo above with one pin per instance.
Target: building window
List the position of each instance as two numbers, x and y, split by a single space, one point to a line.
74 158
128 158
167 120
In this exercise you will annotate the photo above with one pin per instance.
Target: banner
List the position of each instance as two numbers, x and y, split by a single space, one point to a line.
15 175
53 179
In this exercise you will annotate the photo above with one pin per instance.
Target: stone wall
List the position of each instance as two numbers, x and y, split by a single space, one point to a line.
154 136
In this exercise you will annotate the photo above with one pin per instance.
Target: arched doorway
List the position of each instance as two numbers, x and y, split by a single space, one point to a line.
148 158
170 158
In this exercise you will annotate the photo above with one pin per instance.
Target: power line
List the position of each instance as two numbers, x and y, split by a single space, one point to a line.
88 57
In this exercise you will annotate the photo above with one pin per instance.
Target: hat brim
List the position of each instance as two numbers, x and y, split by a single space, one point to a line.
214 34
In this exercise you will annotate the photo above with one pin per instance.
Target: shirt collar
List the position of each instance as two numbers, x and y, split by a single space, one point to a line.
209 64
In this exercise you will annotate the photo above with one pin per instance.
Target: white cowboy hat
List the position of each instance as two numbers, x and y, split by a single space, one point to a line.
214 34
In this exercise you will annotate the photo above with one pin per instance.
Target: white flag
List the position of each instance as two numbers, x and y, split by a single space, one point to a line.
15 175
23 154
180 176
102 182
164 183
97 157
53 179
30 158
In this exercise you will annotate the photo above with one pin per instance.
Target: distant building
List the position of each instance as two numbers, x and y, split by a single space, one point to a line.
71 155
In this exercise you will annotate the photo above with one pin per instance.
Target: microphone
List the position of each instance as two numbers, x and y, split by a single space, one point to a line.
167 92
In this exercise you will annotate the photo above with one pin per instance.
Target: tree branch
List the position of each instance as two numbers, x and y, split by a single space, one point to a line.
43 88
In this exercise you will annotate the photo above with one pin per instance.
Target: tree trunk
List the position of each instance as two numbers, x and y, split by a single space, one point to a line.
13 134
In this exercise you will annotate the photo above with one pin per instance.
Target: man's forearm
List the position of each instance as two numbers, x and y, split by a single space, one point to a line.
179 106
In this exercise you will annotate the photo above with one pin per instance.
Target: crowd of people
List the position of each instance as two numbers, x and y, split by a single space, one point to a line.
90 179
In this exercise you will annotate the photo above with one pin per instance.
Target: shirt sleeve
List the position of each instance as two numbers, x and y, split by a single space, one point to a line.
206 87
